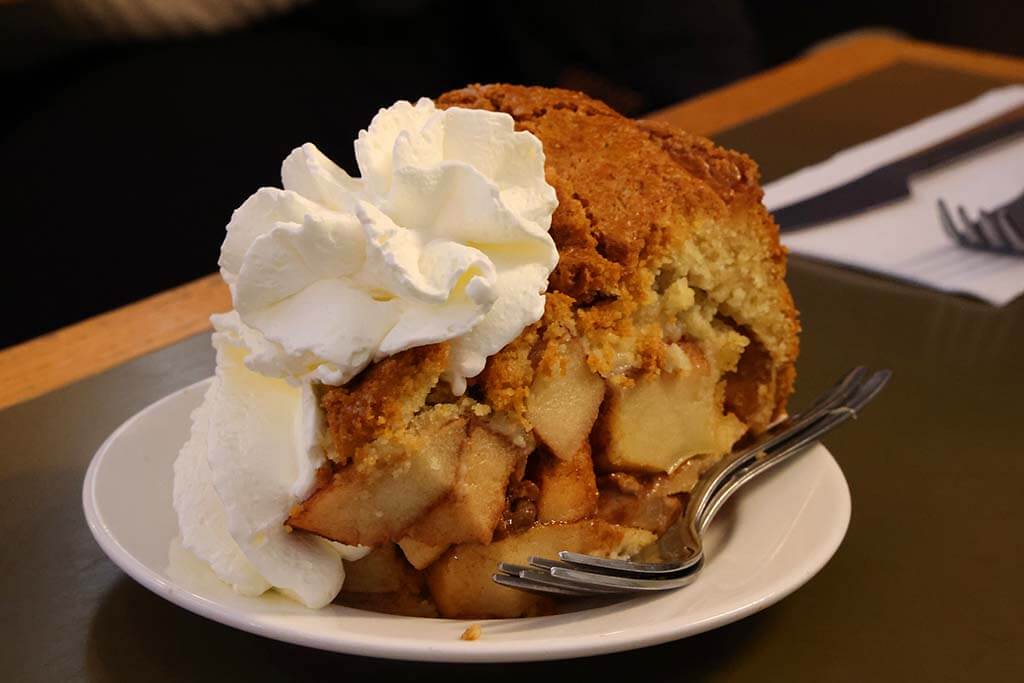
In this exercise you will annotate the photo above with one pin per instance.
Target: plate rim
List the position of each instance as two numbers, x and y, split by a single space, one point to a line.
400 648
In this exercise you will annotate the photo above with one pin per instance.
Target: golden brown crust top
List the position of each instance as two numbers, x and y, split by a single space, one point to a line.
621 184
383 398
638 200
509 373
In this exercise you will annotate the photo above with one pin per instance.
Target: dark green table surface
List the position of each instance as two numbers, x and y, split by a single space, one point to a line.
926 587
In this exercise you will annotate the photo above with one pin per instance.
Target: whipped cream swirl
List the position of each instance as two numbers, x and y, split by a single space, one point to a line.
444 237
253 453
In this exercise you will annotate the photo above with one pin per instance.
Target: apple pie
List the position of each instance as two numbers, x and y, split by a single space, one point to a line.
668 335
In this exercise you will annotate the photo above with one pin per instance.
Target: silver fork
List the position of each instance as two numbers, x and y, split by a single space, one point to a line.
677 558
1001 230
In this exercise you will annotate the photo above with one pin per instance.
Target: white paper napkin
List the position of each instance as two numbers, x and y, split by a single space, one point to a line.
905 239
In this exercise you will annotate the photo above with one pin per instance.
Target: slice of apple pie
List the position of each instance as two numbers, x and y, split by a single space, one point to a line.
668 333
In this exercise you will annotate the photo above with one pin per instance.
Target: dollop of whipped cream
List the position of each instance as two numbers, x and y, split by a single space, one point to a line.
253 453
443 237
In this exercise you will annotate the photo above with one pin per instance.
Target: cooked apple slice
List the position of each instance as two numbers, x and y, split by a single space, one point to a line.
750 390
650 502
382 571
384 582
660 421
643 506
474 506
420 555
686 476
460 582
379 497
568 488
562 406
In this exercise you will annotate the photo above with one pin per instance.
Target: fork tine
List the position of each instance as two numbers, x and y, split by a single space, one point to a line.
871 388
850 408
949 226
972 230
993 231
623 567
591 567
544 563
1011 221
545 578
838 389
1011 235
996 239
536 587
836 395
1013 213
628 584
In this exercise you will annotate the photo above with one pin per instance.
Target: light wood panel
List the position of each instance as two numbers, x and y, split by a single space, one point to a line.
843 61
94 345
91 346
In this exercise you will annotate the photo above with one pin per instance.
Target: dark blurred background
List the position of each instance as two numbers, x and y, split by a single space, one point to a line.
132 128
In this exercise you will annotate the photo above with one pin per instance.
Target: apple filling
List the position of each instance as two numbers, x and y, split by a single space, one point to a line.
443 487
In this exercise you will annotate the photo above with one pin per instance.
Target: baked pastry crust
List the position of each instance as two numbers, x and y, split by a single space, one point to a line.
382 400
639 202
668 333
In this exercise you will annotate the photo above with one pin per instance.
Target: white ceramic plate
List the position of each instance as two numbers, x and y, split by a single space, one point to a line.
771 538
